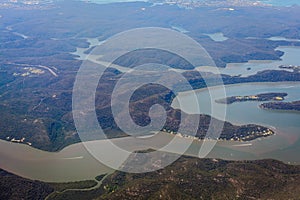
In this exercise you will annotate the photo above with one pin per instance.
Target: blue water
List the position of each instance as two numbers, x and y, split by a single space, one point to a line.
271 2
281 2
111 1
284 146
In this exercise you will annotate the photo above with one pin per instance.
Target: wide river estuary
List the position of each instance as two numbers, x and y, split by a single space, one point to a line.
75 163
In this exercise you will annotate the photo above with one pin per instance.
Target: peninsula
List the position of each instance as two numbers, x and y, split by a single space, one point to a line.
285 106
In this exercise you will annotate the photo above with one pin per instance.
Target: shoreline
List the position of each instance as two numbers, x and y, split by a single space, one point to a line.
236 84
38 160
243 147
280 110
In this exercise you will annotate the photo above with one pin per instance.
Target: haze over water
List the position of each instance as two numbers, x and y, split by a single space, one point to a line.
270 2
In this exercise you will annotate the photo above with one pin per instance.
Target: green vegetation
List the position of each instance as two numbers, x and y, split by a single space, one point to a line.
284 106
75 195
63 189
42 114
187 178
15 187
60 187
193 178
100 177
38 106
258 97
37 74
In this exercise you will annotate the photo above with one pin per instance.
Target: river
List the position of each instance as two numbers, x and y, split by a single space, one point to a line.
284 146
290 57
75 163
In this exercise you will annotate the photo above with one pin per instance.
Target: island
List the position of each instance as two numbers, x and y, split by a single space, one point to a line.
285 106
258 97
39 63
290 67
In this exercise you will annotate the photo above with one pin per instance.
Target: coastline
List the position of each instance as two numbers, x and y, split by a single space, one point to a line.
61 158
237 84
280 110
76 157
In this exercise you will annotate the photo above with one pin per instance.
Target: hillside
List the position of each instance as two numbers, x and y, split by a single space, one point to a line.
193 178
15 187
